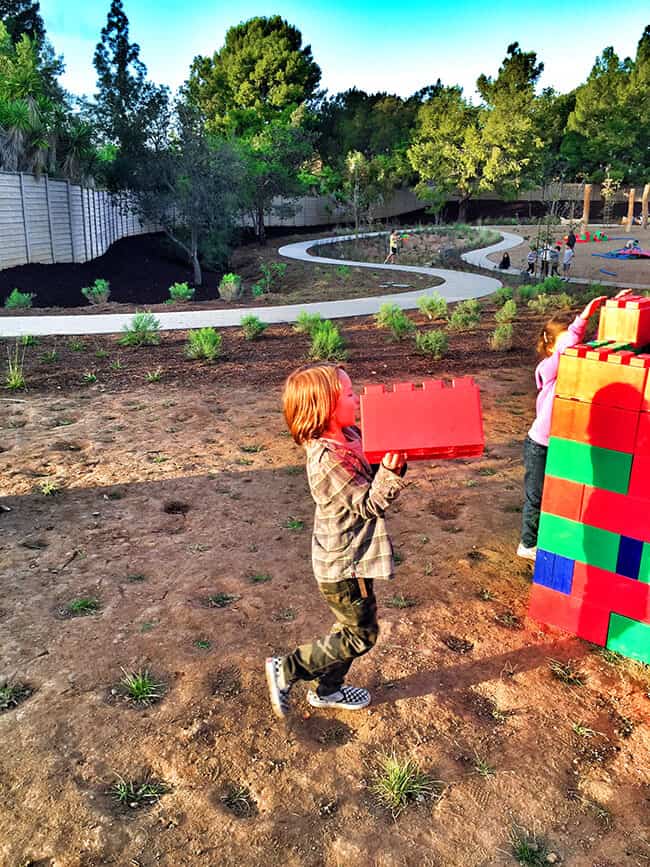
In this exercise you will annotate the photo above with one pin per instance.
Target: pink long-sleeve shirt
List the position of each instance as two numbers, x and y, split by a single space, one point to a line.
545 379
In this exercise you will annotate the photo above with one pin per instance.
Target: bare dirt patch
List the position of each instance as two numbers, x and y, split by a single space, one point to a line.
464 694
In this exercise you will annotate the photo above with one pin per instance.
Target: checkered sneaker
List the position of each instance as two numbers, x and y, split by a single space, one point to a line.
278 691
346 698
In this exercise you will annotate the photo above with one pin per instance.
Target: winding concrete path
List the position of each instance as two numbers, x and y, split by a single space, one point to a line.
456 286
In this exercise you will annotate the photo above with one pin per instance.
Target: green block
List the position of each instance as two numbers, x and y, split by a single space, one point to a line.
590 465
578 541
644 568
629 637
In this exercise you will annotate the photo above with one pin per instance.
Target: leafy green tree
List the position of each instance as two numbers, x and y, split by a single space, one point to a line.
22 17
365 184
262 71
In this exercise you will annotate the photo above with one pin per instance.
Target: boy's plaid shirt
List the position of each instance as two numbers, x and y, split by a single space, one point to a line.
350 538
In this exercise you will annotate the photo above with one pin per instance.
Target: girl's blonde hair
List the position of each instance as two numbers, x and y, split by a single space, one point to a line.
309 399
549 334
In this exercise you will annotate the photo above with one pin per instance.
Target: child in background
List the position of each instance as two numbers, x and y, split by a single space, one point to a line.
555 260
566 262
393 247
350 545
532 261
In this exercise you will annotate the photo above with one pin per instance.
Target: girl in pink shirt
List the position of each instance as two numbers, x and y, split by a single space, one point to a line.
556 336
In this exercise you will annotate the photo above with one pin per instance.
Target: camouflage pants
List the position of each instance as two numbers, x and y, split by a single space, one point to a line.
328 659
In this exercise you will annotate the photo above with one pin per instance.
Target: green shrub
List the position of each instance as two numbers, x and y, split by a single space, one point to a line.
144 330
327 343
503 293
433 343
98 293
344 271
271 274
252 326
593 290
501 337
306 323
546 303
18 300
466 315
433 306
230 287
181 292
393 317
203 343
507 313
551 286
527 292
15 378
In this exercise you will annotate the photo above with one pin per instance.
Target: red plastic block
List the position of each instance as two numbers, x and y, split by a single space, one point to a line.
611 591
595 424
626 514
640 360
642 441
562 497
640 481
645 403
578 351
434 421
589 620
616 385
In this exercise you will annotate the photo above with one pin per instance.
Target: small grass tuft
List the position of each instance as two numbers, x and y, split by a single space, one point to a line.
141 687
568 672
138 793
399 601
239 800
399 782
528 849
49 488
82 607
12 694
222 600
261 578
154 375
483 768
293 523
203 644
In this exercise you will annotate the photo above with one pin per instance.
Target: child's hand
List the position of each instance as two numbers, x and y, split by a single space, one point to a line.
394 461
593 305
622 294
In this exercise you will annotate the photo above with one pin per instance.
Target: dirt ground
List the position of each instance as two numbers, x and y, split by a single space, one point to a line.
174 491
586 265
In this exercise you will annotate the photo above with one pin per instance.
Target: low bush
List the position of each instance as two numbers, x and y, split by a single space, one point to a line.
433 343
393 318
230 287
306 323
252 326
466 315
593 290
551 286
15 377
203 343
507 313
433 306
144 330
527 292
503 294
180 292
19 300
501 337
547 303
343 271
327 343
271 276
98 293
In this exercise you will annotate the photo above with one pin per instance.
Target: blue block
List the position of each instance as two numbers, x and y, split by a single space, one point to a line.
563 574
544 563
629 557
553 571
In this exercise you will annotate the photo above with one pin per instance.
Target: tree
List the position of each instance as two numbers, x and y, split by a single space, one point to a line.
190 188
22 17
262 72
365 184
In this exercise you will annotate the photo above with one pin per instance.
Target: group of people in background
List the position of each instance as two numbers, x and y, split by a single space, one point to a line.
548 258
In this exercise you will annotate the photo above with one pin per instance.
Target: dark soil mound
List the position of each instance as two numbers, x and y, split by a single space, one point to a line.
140 270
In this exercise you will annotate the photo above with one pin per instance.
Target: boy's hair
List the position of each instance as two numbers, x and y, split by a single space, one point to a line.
309 399
549 333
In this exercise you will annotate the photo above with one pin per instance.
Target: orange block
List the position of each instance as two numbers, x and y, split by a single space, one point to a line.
625 321
617 385
562 497
604 426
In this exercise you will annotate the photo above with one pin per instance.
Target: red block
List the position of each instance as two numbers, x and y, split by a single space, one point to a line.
604 426
562 497
626 320
642 442
616 385
640 482
626 514
435 420
571 613
612 592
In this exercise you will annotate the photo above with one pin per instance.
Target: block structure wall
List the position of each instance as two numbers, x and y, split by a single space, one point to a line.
592 573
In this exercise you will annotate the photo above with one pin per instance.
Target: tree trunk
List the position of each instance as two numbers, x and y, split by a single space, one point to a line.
261 228
194 259
462 210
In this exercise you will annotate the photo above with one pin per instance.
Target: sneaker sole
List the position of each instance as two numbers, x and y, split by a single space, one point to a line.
341 705
273 689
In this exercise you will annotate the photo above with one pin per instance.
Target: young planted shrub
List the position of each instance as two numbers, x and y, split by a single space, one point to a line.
433 343
271 276
327 343
203 343
433 306
98 293
144 330
343 271
252 326
503 294
551 286
507 313
19 300
466 315
527 292
306 323
593 290
393 318
15 378
501 337
545 303
180 292
230 287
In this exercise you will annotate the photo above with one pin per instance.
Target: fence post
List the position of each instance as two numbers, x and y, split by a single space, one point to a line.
83 223
96 227
630 208
70 221
644 206
22 203
49 219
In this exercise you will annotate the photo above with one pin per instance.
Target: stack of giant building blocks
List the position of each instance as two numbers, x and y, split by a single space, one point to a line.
592 573
428 420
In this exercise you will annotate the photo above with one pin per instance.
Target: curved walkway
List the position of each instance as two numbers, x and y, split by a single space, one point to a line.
456 286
